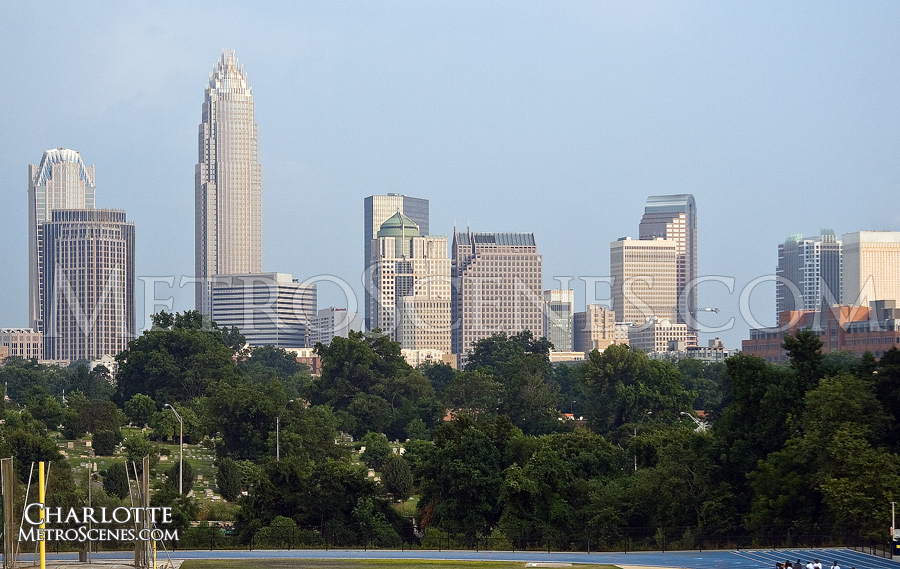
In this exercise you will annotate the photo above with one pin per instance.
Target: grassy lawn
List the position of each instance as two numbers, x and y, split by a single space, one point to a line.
360 564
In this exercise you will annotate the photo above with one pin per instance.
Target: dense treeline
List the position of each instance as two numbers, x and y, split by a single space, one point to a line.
489 451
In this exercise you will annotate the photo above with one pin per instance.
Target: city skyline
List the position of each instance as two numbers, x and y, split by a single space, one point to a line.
592 109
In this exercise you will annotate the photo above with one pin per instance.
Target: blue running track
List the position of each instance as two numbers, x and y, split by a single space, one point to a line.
744 559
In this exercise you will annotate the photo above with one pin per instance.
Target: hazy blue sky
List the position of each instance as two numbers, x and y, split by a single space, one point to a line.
553 117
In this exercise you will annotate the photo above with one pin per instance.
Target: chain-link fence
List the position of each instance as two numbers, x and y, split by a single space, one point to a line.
611 539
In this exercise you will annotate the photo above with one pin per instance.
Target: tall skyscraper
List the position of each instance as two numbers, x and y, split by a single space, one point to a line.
644 279
60 181
497 286
268 308
376 210
227 182
88 285
411 273
674 217
871 267
811 264
559 310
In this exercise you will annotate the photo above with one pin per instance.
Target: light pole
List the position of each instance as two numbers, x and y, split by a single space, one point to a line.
180 450
635 436
278 432
701 425
893 521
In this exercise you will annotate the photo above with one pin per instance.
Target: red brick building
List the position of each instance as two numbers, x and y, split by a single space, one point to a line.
857 329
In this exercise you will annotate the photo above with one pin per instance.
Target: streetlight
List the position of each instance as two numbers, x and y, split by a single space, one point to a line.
278 432
635 436
893 521
180 451
701 425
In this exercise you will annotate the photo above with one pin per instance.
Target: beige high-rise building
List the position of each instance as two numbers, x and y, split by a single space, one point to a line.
411 275
24 343
497 286
228 181
60 181
88 296
871 267
595 329
377 210
644 279
659 336
674 217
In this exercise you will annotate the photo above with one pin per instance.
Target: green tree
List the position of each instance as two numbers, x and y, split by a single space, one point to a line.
545 492
755 423
860 483
244 415
804 349
474 393
115 480
354 365
21 377
417 430
164 425
679 482
499 350
229 478
46 409
279 361
93 384
462 476
373 524
887 390
788 484
324 494
105 441
27 446
177 360
622 385
520 364
309 431
140 410
137 446
90 416
439 374
187 476
370 413
706 380
378 450
397 478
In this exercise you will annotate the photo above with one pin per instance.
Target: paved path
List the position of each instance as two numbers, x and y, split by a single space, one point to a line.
744 559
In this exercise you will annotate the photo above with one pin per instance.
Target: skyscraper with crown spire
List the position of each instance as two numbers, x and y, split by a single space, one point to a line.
60 181
228 181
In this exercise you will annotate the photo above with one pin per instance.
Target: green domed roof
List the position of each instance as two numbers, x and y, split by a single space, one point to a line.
398 225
